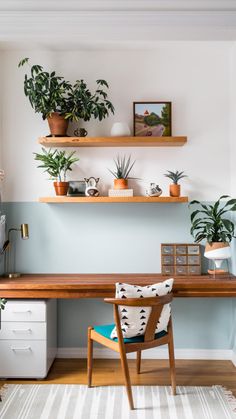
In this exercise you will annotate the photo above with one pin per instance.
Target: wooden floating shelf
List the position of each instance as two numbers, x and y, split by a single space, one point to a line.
112 141
107 199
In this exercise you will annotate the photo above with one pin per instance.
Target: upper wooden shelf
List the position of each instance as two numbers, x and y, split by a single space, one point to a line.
112 141
107 199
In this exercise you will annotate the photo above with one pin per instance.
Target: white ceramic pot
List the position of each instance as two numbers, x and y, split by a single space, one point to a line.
218 252
120 129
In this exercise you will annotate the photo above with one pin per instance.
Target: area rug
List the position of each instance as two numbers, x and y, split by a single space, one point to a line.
60 401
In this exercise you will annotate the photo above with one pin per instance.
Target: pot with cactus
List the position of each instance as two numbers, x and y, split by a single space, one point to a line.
174 188
57 163
123 167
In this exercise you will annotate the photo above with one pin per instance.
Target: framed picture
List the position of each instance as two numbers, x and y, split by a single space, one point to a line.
152 118
76 188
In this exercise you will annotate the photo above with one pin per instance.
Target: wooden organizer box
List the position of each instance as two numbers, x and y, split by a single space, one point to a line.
180 259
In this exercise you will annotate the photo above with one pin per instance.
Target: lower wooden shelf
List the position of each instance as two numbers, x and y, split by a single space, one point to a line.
107 199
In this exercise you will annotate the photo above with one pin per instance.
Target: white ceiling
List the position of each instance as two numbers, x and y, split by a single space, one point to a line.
105 23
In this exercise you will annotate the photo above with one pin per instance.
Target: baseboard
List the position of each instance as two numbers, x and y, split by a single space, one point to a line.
158 353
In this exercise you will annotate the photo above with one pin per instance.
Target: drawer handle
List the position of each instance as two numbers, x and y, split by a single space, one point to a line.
21 311
25 348
21 330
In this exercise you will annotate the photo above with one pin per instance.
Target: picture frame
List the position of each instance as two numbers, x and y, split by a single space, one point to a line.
76 188
152 119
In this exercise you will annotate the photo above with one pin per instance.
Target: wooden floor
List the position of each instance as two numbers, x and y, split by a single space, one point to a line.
154 372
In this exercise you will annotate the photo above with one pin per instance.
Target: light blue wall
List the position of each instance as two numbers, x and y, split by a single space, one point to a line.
113 238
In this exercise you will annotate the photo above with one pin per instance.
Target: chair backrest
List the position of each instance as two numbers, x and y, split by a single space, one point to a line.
156 304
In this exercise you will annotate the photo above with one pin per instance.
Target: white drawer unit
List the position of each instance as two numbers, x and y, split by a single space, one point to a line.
28 338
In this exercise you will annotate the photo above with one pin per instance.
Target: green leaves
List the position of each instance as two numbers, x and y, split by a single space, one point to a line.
2 303
56 163
23 62
123 167
175 176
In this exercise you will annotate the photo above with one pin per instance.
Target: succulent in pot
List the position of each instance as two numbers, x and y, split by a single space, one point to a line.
59 101
57 163
209 223
175 177
123 167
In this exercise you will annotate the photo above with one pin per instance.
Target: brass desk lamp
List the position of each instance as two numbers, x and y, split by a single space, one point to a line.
24 230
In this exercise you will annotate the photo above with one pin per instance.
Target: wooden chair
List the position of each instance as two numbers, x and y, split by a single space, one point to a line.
137 344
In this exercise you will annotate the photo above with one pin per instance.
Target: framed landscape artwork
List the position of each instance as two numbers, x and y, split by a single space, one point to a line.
152 119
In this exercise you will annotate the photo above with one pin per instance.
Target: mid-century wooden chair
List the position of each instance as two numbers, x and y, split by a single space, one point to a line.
137 344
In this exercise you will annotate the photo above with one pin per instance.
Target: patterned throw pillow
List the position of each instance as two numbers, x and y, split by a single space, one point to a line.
134 319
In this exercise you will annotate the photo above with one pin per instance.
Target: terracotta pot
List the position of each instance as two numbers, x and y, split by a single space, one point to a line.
61 188
174 190
120 183
58 124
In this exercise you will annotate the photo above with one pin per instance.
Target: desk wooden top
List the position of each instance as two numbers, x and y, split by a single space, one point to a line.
103 285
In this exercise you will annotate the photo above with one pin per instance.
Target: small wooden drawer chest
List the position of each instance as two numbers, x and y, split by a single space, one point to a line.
180 259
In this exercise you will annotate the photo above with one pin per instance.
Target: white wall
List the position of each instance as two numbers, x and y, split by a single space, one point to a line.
194 76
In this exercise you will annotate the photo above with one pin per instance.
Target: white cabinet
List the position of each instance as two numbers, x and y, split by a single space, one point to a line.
28 338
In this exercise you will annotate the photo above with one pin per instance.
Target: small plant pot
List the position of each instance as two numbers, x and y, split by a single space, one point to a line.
61 188
120 184
57 124
174 190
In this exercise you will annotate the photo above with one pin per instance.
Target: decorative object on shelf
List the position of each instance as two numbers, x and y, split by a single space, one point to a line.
24 230
56 163
77 188
122 170
120 129
120 193
175 177
80 132
209 222
154 190
91 186
60 101
180 259
152 119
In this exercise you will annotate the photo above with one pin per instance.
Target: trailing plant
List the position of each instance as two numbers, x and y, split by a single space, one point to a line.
209 222
3 302
56 163
50 93
175 176
123 167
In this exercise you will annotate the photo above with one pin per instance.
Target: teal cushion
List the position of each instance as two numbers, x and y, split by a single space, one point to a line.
105 330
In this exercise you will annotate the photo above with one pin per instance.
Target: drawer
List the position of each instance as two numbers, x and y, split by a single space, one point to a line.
181 260
181 270
193 250
181 250
193 260
168 260
194 270
23 359
23 330
167 250
26 311
168 270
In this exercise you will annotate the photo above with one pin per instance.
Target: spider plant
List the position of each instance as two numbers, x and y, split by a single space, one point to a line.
56 163
175 176
123 167
209 222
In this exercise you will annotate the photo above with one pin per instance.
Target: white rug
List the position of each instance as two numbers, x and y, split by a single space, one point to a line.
60 401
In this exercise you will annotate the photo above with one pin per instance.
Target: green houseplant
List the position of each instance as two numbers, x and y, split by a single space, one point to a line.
209 223
123 167
60 102
56 163
175 177
2 306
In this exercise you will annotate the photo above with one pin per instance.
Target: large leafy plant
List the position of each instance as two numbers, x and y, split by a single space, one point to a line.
209 222
50 93
123 167
56 163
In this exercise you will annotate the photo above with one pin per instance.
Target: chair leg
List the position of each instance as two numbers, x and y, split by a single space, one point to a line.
125 369
138 362
172 361
90 358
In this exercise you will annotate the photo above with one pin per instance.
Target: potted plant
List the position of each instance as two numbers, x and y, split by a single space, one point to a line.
209 223
56 163
60 102
175 177
123 167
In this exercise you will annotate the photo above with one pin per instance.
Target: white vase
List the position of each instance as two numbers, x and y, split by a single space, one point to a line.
120 129
217 252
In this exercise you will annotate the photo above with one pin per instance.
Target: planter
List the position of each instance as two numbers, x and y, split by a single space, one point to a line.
120 183
61 188
217 251
58 125
174 190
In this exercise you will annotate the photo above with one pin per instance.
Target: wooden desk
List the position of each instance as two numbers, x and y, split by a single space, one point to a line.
103 285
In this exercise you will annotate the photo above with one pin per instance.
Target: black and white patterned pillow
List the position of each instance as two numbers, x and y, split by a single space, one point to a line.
134 319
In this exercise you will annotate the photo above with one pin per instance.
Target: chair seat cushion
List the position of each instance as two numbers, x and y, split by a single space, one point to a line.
105 330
